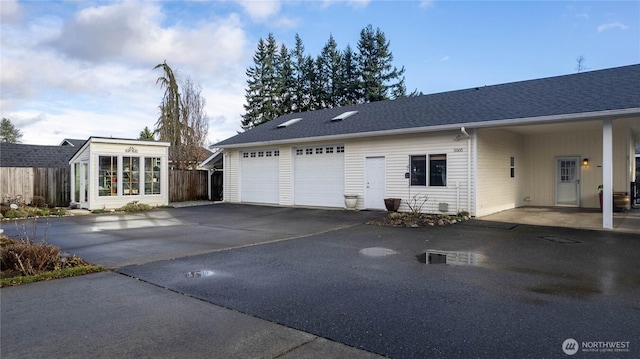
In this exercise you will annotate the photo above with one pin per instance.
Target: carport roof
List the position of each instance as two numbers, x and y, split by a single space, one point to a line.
612 91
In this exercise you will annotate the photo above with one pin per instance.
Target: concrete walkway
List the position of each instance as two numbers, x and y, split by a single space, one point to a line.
580 218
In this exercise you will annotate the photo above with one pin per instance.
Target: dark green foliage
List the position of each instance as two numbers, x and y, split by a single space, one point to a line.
8 132
146 134
281 82
380 79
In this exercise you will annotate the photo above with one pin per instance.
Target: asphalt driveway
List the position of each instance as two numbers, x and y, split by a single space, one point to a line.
316 275
116 240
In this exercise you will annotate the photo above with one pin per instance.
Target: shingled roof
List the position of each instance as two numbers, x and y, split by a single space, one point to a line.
586 92
19 155
72 142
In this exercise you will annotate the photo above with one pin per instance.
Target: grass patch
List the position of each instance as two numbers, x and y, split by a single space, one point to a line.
56 274
24 211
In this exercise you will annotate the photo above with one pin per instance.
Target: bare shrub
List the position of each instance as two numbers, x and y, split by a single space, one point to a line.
38 201
24 257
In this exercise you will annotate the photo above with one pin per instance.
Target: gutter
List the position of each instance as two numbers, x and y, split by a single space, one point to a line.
540 120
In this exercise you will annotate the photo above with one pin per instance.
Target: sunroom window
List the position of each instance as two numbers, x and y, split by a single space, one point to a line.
107 176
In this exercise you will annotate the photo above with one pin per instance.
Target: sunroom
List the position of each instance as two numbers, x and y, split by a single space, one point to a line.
108 173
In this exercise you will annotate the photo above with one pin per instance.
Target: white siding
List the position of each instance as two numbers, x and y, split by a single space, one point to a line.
286 176
542 150
231 181
396 150
497 191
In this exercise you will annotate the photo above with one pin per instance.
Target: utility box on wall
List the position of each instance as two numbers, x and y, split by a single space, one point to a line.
108 173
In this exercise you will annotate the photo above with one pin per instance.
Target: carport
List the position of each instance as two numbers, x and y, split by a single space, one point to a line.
581 218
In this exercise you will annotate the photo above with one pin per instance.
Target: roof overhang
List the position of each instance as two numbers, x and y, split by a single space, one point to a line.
540 120
121 141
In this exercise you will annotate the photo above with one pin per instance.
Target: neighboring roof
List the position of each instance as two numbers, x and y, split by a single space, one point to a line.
19 155
72 142
214 161
595 92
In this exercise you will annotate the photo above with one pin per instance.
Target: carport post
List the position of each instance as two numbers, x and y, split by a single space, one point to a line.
607 174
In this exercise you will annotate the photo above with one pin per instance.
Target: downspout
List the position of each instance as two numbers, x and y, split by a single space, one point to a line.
464 132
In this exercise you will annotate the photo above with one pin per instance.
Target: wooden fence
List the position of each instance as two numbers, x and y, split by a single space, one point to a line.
188 185
24 183
54 184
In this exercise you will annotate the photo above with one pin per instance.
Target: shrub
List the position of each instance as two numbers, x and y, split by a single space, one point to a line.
38 201
135 207
24 258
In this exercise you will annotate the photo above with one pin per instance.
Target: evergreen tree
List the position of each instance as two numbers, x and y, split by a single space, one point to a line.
8 132
380 80
350 89
301 98
329 75
146 134
262 85
285 82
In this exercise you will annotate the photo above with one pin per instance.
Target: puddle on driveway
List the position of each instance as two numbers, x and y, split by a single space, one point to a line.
200 273
377 252
578 291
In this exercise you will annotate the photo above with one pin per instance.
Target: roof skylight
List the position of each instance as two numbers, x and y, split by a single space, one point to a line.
289 123
344 115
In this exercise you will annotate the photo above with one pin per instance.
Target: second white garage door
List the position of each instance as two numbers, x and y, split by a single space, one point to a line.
319 176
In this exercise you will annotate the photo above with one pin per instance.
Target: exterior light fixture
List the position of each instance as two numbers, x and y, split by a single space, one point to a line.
585 162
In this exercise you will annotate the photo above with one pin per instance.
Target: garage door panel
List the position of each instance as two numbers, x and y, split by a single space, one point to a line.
260 177
319 177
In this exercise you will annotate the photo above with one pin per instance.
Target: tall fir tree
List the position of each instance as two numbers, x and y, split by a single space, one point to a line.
285 82
282 81
350 89
329 75
380 80
262 85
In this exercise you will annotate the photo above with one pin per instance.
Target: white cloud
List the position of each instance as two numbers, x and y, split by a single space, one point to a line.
583 16
92 74
612 25
358 4
444 58
426 4
260 10
10 11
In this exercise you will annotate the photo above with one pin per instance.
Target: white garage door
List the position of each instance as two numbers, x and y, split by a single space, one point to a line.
259 174
319 176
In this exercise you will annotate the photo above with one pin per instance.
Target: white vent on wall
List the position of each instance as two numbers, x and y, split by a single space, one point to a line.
289 123
344 115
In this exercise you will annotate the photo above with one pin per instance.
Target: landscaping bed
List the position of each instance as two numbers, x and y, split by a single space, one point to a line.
411 219
25 261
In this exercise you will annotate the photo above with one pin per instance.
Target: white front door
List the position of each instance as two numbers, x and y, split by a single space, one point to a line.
568 181
374 186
